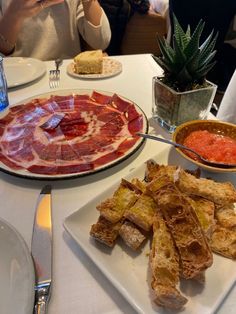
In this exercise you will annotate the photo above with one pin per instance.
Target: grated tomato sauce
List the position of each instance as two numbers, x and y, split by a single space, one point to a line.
211 146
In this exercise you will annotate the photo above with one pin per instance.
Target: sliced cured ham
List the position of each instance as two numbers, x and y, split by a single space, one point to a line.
69 134
53 121
135 125
119 103
101 98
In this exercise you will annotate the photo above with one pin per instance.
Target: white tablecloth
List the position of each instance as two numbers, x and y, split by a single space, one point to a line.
78 285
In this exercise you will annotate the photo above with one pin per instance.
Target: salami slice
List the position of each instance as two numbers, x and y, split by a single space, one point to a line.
71 134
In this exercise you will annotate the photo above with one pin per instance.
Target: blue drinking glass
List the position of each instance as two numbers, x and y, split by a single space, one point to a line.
4 102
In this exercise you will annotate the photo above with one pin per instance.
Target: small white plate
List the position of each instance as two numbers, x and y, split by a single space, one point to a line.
111 67
16 273
129 271
20 71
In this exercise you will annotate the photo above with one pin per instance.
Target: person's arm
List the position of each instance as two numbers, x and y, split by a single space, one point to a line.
92 11
10 25
13 18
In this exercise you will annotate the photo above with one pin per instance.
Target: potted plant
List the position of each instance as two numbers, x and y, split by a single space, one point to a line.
183 93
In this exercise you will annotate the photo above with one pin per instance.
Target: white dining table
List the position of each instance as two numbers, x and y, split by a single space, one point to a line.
78 286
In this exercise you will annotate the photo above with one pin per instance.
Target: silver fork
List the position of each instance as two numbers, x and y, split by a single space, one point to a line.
54 75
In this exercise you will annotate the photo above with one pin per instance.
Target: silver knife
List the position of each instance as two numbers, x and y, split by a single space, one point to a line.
41 249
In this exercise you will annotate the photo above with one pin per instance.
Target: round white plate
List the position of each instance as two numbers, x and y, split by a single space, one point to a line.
16 272
20 71
111 67
31 175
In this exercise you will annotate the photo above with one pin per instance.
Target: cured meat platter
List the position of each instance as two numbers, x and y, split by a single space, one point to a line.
69 133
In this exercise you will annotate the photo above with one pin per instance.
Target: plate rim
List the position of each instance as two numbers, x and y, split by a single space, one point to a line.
69 70
41 66
28 258
33 176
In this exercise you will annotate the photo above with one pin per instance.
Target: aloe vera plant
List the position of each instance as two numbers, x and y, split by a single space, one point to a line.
185 61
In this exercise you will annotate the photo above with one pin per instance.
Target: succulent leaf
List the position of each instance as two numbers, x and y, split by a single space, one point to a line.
180 35
169 49
209 58
193 61
185 62
193 43
184 76
188 33
202 72
166 53
162 64
179 53
208 46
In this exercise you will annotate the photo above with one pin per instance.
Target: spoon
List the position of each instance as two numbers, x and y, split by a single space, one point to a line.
205 161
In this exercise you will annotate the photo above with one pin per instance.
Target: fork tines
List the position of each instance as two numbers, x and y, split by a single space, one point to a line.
54 78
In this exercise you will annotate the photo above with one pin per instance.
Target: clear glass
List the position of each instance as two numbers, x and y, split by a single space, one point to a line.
4 103
171 108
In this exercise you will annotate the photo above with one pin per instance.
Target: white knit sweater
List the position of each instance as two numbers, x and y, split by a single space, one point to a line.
55 32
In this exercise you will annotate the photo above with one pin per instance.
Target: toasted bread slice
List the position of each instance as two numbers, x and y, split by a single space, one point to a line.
106 232
200 278
142 212
205 211
226 216
164 259
217 192
195 253
141 185
113 208
164 183
169 297
164 262
223 242
154 170
135 185
132 235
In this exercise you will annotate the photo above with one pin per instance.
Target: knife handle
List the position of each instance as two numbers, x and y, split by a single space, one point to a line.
40 307
42 297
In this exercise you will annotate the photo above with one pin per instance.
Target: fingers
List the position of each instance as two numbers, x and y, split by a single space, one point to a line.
41 4
48 3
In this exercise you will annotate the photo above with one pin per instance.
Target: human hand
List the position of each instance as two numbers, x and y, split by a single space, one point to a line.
28 8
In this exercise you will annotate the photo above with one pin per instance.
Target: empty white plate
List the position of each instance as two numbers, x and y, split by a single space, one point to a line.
20 71
16 272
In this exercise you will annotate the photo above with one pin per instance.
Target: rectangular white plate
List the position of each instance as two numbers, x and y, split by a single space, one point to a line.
129 271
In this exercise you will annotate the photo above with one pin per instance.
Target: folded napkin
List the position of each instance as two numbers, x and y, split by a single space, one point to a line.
227 111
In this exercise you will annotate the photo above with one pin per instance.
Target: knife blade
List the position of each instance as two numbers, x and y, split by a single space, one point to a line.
41 249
